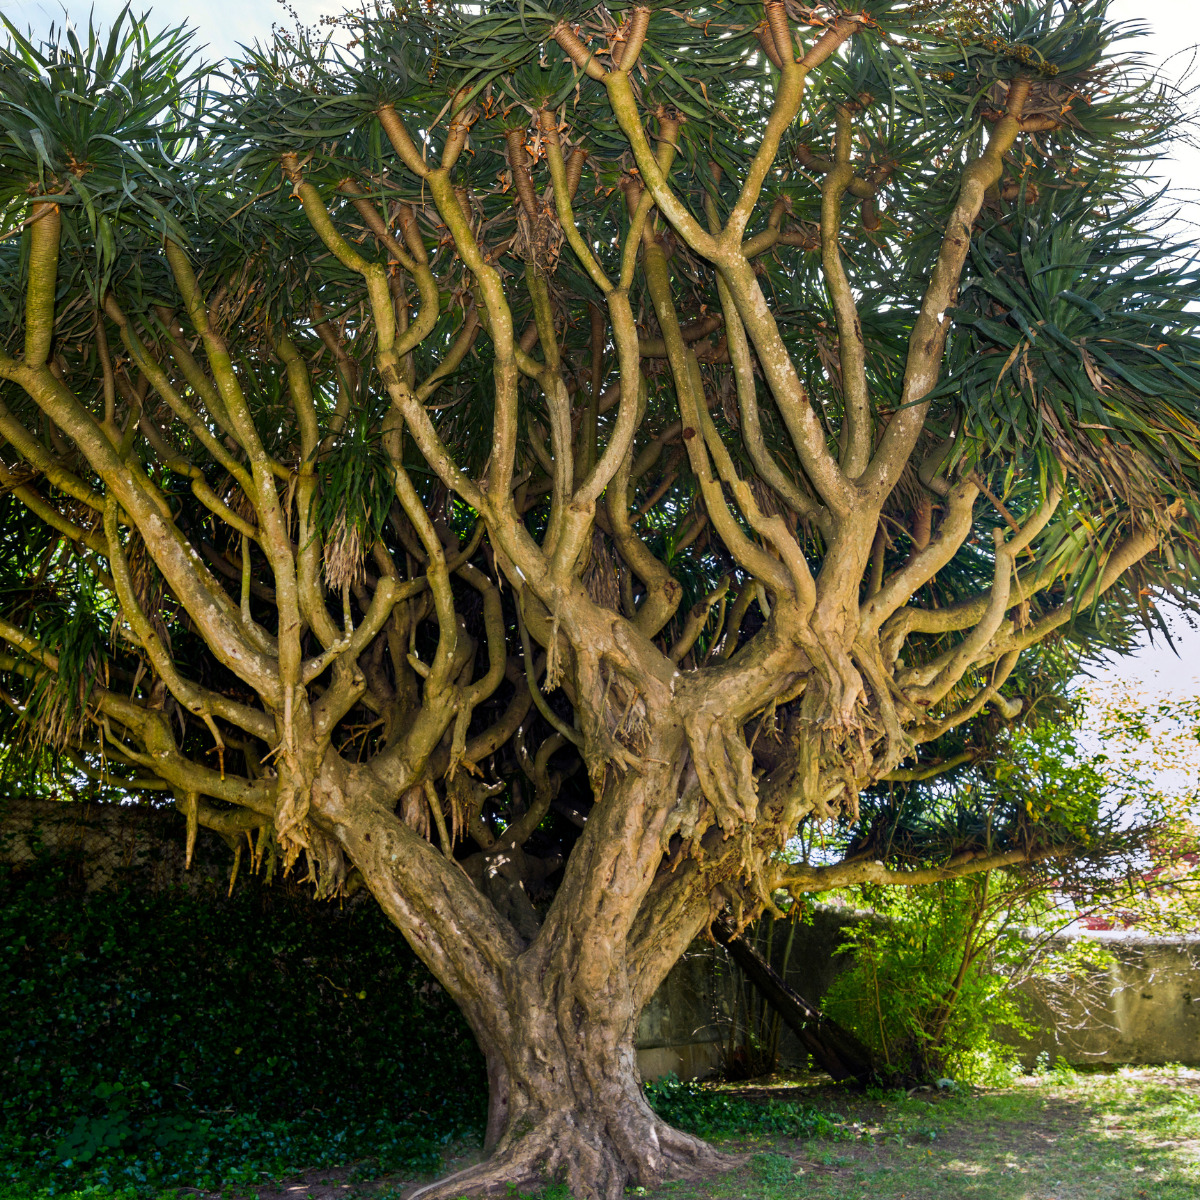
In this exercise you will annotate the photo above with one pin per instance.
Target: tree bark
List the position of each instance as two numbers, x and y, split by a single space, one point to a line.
566 1103
555 1015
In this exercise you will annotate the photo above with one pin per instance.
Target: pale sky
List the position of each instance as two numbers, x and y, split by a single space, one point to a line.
1175 26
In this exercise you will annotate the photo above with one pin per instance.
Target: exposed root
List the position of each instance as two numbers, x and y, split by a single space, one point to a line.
595 1162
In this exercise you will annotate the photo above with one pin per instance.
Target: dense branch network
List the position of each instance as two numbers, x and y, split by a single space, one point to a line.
481 466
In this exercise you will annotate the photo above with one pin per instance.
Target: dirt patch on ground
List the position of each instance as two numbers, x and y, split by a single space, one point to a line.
314 1185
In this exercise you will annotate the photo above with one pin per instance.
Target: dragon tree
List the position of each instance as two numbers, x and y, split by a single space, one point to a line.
544 466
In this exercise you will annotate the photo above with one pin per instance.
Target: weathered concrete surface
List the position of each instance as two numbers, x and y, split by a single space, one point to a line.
112 843
684 1027
1142 1008
680 1030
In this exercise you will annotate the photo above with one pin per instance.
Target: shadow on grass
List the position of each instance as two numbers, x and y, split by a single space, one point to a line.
1118 1137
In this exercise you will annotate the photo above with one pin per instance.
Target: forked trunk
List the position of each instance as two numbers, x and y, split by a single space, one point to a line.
555 1017
566 1103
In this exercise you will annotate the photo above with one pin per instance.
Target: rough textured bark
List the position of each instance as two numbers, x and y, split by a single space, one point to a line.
383 505
566 1100
555 1019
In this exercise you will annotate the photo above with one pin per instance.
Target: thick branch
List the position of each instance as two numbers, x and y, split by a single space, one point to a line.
800 879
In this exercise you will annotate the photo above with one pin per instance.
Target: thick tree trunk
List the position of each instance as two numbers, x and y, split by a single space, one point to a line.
555 1017
566 1102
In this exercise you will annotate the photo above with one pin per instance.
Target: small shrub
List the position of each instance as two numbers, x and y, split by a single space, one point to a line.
928 986
710 1113
1063 1073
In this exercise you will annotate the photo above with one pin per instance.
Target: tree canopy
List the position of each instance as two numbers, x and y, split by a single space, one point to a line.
535 464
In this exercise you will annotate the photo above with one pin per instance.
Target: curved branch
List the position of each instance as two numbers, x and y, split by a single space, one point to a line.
857 433
696 620
549 715
803 879
928 340
921 567
930 770
196 699
985 695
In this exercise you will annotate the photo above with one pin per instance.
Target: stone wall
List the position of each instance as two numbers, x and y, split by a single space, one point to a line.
679 1031
112 843
1142 1008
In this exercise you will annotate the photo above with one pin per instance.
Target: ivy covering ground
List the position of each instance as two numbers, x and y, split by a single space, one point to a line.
151 1039
712 1113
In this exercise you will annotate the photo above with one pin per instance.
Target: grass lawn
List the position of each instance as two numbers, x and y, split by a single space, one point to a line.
1120 1136
1123 1136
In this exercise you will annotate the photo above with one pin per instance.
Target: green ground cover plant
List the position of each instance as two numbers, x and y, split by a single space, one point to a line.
1128 1135
1132 1134
714 1113
154 1039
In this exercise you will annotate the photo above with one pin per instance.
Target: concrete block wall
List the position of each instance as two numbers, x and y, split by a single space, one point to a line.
1144 1008
680 1031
